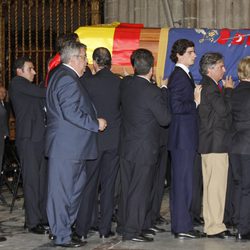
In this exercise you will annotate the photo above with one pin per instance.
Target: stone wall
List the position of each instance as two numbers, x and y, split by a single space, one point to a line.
180 13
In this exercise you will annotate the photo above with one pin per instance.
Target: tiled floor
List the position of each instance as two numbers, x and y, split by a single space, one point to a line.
18 238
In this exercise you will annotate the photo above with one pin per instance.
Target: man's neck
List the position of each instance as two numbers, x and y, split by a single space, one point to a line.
145 77
69 66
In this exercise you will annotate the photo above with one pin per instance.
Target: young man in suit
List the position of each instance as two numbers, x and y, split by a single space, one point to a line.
70 141
28 104
143 110
215 123
104 91
183 138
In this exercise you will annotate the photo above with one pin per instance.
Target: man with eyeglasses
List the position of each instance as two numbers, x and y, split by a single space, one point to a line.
71 139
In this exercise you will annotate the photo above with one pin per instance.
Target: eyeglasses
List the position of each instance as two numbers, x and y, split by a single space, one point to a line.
84 57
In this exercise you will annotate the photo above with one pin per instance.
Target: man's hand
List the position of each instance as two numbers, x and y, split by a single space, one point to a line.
197 94
228 82
125 72
164 82
102 124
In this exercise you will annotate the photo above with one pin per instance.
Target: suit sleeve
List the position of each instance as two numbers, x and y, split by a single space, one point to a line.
178 91
220 102
69 97
158 104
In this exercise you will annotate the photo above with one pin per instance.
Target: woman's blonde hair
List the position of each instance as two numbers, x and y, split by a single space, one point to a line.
244 68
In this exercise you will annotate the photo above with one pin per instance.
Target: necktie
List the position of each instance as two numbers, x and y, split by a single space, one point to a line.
191 76
192 79
219 87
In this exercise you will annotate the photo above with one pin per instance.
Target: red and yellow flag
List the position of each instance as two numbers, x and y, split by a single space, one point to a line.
119 38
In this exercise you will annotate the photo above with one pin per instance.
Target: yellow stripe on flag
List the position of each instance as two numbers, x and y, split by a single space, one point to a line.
94 37
162 52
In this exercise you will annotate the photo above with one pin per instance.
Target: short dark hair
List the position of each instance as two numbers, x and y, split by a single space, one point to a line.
19 63
179 47
63 38
142 61
102 57
208 60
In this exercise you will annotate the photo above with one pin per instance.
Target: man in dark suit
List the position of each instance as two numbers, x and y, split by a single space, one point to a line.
215 122
143 110
70 141
104 91
4 130
28 104
153 218
183 137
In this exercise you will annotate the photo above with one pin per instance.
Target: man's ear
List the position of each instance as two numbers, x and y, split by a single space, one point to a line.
19 71
151 71
95 66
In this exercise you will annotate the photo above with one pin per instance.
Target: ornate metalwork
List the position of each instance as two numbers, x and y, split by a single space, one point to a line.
31 27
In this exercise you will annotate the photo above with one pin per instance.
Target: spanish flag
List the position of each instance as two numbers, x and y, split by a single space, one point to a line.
115 37
121 39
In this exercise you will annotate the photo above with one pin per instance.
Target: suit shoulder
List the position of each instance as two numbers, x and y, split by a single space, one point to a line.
176 75
62 72
178 71
19 80
153 88
126 80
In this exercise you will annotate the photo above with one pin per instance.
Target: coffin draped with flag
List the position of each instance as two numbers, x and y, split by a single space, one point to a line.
122 38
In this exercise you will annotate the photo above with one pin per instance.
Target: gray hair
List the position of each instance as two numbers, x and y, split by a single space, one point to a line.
208 60
71 49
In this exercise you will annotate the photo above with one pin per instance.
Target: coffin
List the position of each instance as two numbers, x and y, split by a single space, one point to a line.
234 44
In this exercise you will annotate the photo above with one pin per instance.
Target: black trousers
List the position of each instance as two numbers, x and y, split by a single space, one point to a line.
229 206
197 188
35 180
2 145
101 171
136 187
241 191
158 188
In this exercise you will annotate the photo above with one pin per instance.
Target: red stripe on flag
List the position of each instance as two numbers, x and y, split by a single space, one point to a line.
126 40
131 25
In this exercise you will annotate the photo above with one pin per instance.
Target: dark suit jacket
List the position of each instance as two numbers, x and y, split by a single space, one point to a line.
241 119
72 125
183 129
214 118
4 131
104 91
143 110
28 102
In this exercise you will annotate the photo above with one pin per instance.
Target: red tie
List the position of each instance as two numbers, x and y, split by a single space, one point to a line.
219 87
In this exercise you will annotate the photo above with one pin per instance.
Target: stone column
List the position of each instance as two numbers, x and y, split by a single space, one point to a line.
190 13
95 12
1 45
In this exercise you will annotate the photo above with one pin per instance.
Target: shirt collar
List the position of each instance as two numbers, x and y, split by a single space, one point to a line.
144 78
184 67
67 65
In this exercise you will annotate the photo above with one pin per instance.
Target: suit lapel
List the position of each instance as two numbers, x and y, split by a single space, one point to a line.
191 80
